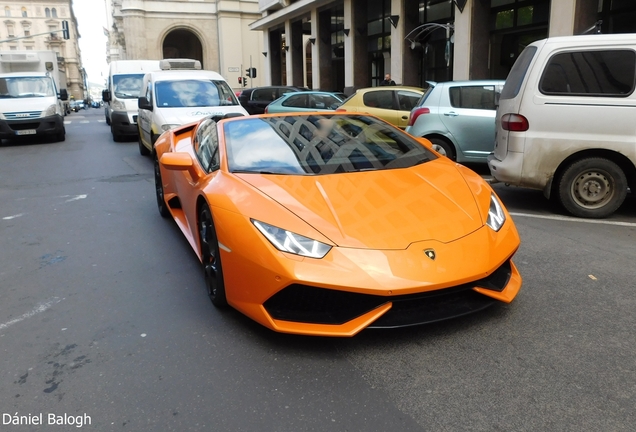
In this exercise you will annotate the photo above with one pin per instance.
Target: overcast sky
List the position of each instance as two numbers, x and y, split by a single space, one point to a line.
91 20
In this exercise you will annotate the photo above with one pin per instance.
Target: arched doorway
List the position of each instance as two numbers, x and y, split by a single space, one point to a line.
183 43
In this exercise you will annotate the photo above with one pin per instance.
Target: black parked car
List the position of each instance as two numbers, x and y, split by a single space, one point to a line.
254 100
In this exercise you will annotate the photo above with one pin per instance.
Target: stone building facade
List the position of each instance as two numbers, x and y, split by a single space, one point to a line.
347 44
28 17
214 32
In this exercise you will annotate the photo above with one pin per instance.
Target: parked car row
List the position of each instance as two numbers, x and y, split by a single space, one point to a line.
559 123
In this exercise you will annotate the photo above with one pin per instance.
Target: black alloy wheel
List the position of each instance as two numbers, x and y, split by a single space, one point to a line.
210 257
161 203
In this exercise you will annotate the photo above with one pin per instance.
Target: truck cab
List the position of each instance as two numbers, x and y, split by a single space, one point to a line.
179 93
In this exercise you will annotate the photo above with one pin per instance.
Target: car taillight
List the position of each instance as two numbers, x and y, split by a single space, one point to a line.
416 113
266 110
514 123
341 110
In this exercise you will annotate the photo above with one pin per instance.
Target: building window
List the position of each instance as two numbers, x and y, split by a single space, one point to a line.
7 11
47 12
24 12
27 32
507 14
436 48
514 24
337 32
379 39
10 30
618 16
54 13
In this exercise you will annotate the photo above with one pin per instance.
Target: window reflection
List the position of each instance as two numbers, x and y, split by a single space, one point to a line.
319 145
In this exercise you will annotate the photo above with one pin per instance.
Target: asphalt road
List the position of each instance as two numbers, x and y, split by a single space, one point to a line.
103 313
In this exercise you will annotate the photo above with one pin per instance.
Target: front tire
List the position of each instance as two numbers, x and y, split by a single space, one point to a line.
211 258
161 202
143 150
443 147
116 136
592 188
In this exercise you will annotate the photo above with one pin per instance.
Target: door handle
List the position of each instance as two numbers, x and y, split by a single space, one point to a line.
451 114
405 117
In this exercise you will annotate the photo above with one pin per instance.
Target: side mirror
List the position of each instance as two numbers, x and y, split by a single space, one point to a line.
177 161
63 94
143 103
106 95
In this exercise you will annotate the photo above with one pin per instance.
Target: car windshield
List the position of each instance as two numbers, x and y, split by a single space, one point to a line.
127 86
194 93
23 87
319 144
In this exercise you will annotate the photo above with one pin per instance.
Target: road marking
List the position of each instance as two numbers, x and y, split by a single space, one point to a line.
39 309
85 121
76 198
573 219
101 121
13 216
66 122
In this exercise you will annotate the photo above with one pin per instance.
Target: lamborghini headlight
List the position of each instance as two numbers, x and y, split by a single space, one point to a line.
287 241
496 215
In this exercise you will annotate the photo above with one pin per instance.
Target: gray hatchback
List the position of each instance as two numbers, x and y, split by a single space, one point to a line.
458 117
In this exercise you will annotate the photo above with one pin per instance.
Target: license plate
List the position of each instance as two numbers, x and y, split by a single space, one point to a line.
25 132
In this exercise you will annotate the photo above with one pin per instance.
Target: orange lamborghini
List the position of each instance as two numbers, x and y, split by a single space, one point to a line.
329 223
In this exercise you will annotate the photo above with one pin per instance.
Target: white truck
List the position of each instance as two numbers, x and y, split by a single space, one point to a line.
124 84
31 100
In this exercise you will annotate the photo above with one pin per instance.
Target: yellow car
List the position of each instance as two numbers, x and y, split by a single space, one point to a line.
326 223
392 104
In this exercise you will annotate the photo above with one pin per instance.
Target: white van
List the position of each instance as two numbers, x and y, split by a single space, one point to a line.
31 100
566 122
120 98
176 95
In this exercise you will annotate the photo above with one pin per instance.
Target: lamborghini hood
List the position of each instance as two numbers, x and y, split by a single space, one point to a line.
385 209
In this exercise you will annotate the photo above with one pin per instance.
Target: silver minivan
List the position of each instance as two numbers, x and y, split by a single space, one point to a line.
458 118
566 122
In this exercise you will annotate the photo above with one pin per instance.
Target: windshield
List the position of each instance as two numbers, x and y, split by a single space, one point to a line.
194 93
23 87
127 86
319 144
